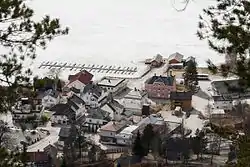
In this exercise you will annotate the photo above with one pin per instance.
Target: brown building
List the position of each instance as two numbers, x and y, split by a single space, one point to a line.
181 99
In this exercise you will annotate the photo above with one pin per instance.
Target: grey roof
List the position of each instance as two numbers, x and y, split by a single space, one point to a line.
65 132
93 88
158 58
177 56
167 80
50 92
181 95
190 58
228 86
63 109
98 113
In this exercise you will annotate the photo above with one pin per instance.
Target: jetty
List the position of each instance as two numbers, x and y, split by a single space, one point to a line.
90 67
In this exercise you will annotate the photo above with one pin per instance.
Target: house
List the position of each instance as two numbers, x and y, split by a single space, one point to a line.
27 109
125 137
94 119
109 131
65 113
90 94
133 103
114 108
66 136
224 92
160 86
157 61
175 58
38 159
181 99
79 80
49 98
113 85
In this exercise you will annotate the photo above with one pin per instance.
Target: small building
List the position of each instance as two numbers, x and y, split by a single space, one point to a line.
133 103
94 119
113 85
224 92
27 109
90 94
157 61
114 108
175 58
66 136
160 86
49 98
181 99
125 137
38 159
64 113
109 131
79 80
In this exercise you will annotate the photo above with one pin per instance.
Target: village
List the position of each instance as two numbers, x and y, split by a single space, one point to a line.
91 122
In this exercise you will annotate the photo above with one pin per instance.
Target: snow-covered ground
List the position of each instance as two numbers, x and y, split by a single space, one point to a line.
120 31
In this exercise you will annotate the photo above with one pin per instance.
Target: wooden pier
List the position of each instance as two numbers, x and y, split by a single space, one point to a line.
90 68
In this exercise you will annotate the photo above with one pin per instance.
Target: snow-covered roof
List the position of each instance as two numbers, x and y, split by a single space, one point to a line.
134 94
129 129
110 82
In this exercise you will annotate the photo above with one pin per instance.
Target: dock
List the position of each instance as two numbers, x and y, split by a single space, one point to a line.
90 67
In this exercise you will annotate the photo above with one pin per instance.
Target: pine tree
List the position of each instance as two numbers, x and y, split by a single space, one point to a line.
147 137
59 85
63 163
21 36
190 75
243 154
137 147
226 27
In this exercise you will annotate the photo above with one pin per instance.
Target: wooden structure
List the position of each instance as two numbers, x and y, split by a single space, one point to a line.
90 67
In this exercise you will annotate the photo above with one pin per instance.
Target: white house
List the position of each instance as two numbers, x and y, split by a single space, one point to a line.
95 118
27 108
90 94
133 102
109 131
79 80
114 108
49 98
64 113
125 137
113 85
225 91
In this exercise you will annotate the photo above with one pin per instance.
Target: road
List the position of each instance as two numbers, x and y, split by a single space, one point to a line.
52 138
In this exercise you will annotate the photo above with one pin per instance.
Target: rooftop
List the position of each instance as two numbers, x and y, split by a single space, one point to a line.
176 56
129 129
113 126
111 82
181 95
167 80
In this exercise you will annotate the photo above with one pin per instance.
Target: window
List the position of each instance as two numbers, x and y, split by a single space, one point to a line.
90 120
111 133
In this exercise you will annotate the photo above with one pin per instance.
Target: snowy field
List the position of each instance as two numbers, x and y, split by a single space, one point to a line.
123 32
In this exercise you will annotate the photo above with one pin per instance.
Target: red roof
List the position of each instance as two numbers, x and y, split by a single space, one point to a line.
83 76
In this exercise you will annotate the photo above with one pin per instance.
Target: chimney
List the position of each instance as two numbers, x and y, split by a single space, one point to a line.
155 74
109 81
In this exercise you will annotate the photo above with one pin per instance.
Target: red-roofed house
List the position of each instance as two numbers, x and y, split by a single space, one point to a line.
79 80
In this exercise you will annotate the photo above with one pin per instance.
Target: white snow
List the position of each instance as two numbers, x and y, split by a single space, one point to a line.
193 123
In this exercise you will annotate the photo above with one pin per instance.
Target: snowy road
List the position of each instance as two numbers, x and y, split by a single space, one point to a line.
52 138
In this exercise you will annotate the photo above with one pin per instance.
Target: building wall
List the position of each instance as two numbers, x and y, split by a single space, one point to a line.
186 105
49 101
90 100
159 91
59 119
226 105
107 133
173 61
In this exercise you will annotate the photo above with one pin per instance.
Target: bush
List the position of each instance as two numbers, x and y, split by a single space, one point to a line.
44 118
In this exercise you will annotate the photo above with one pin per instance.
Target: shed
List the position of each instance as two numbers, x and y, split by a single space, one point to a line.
181 99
